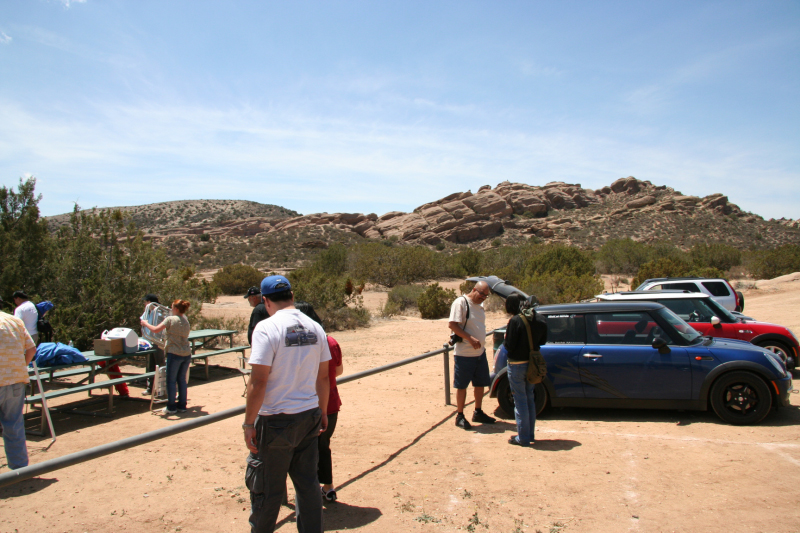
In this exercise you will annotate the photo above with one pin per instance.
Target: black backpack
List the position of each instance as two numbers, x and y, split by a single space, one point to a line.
44 327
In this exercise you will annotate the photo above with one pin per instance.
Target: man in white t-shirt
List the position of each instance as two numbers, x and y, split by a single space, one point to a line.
468 321
26 312
287 402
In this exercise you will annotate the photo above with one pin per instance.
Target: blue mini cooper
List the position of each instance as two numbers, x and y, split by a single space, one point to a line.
642 355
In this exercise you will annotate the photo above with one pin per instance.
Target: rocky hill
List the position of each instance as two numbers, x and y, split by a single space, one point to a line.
213 233
170 217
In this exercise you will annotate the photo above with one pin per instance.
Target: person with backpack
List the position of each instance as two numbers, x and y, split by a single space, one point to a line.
468 326
525 333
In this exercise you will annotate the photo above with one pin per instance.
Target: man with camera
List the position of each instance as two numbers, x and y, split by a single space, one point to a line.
468 324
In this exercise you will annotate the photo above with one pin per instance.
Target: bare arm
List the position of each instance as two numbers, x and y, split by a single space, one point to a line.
256 387
30 353
323 391
154 329
458 330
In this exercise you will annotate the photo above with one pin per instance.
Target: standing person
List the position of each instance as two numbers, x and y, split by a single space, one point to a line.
335 369
259 312
519 351
468 321
26 311
287 403
179 355
157 358
17 349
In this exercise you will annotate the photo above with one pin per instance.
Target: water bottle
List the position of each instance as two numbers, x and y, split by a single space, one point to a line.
70 343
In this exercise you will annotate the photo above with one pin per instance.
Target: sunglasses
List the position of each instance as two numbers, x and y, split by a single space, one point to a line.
484 294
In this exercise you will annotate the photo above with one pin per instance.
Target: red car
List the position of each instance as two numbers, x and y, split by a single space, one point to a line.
710 319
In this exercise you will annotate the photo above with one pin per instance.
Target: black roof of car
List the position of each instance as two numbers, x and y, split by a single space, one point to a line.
598 307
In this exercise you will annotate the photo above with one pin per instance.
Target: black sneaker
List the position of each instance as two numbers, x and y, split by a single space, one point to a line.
461 421
483 418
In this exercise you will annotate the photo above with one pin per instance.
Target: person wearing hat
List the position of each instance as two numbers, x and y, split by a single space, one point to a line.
26 311
16 351
157 358
259 311
287 403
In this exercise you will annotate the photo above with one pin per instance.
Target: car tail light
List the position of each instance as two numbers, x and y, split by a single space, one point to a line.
735 294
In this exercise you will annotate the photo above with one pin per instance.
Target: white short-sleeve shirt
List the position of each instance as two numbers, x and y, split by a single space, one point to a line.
26 312
293 346
476 325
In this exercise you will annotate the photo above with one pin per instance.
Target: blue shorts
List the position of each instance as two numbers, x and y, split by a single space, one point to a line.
474 369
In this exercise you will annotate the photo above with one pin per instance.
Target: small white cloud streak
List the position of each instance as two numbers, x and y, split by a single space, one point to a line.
68 3
5 38
129 155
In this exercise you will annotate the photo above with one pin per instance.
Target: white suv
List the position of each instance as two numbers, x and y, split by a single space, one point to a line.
717 288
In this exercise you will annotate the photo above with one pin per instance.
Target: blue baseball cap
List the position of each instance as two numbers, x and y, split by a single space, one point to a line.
273 284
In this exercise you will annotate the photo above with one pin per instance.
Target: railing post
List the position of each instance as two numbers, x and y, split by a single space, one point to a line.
446 356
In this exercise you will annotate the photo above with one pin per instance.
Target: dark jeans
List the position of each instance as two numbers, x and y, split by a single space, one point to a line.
325 470
177 368
286 444
154 360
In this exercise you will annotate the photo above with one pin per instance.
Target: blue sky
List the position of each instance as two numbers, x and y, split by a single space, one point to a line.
381 106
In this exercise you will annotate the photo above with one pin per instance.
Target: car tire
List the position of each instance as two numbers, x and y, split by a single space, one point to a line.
740 307
778 348
506 398
741 398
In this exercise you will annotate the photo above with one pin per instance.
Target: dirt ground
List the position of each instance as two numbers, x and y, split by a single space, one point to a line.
400 463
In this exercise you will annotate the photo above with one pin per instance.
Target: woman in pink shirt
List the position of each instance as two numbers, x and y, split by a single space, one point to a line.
335 368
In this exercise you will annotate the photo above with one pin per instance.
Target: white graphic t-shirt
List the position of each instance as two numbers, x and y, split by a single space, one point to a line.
293 346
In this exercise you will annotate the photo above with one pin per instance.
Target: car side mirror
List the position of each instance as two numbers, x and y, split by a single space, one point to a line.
661 345
715 321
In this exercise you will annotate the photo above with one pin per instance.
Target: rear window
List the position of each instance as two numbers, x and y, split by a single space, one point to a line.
682 286
566 329
717 288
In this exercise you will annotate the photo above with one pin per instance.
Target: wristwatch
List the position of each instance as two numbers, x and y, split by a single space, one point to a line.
248 426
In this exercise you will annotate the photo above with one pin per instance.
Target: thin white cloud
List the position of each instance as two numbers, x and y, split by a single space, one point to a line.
4 38
68 3
123 155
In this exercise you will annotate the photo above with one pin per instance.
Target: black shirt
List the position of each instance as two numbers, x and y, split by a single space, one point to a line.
259 313
517 337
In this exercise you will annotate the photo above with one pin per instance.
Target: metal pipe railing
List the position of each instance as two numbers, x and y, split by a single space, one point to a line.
21 474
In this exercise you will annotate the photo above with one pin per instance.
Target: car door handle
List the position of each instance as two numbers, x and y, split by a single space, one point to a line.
592 355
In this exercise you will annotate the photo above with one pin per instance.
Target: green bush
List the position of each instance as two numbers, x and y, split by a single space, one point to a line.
622 256
768 264
672 268
335 298
434 302
562 287
400 298
720 256
236 279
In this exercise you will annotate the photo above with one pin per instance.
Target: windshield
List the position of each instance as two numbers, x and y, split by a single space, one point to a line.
685 330
719 310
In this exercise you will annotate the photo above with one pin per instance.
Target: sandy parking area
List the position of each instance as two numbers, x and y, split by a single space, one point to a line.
402 465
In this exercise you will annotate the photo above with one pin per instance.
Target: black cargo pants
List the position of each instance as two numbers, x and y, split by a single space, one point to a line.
287 444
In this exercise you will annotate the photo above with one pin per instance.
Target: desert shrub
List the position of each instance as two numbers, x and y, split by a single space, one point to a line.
466 262
236 323
466 287
496 243
768 264
671 268
393 265
345 318
206 249
720 256
562 287
552 258
332 261
402 297
236 279
204 237
434 302
622 256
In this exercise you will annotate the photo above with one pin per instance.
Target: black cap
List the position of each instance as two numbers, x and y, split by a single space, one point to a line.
151 298
253 291
20 294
